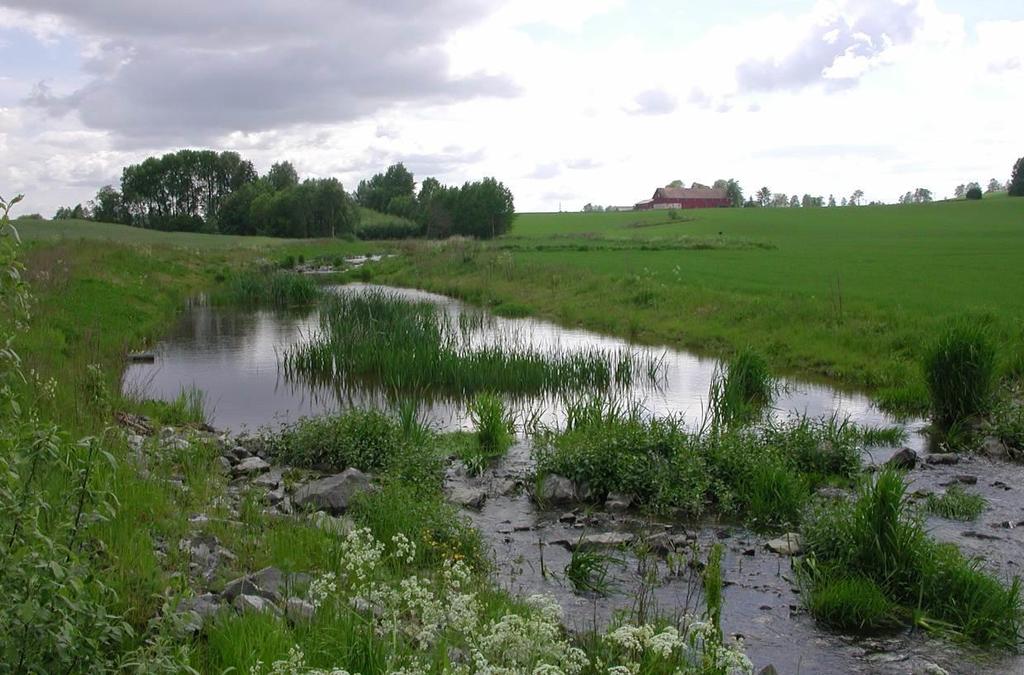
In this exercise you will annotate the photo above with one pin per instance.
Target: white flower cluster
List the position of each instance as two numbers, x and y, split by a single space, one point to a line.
322 588
405 549
699 649
295 664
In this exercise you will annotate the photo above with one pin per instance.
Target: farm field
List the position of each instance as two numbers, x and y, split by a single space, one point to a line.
846 294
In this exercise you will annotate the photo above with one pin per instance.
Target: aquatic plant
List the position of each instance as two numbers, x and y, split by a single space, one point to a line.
960 371
267 287
878 538
955 504
587 569
741 389
383 340
189 407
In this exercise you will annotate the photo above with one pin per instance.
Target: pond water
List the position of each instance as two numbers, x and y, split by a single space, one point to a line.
233 356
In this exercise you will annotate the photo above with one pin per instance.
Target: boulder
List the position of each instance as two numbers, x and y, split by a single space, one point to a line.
339 526
240 586
605 540
787 544
943 458
555 489
224 463
298 609
905 460
269 579
205 555
177 443
271 479
618 502
467 497
333 493
195 611
994 448
250 466
275 496
254 603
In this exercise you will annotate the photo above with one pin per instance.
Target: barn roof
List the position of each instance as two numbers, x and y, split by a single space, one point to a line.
689 193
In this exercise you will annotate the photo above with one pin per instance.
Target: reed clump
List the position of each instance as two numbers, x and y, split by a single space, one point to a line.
960 372
267 287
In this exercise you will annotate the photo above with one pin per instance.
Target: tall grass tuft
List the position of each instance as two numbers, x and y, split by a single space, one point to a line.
188 408
380 339
267 287
960 371
878 540
741 389
956 504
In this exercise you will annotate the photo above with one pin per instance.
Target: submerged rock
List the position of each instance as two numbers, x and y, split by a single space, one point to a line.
905 459
333 493
605 540
787 544
943 458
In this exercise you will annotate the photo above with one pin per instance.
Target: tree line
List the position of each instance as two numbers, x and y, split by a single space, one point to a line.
207 191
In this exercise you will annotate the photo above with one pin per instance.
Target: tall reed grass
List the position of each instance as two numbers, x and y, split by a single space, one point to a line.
741 389
960 371
267 287
381 339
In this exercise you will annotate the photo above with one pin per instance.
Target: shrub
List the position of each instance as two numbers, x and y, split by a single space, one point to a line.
364 439
960 371
973 193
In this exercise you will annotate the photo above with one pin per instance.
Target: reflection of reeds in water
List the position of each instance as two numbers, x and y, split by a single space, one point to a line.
379 340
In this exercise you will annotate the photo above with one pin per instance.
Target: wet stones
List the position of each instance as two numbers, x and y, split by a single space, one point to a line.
787 544
555 489
904 460
604 540
618 502
333 493
250 466
994 448
961 479
467 496
943 458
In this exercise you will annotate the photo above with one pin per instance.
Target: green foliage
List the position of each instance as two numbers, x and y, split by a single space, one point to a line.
587 570
382 340
365 439
494 426
262 287
852 603
188 408
973 193
1016 186
876 538
956 504
381 190
742 390
713 584
374 225
960 371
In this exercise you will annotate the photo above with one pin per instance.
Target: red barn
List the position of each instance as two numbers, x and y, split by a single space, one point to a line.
685 198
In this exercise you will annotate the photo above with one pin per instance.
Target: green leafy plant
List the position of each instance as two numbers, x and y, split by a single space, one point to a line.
955 504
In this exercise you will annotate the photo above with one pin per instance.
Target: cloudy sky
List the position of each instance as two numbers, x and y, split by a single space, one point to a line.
566 101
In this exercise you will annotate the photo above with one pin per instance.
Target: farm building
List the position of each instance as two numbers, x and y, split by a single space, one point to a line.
685 198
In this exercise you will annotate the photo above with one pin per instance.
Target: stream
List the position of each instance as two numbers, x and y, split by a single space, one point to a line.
232 355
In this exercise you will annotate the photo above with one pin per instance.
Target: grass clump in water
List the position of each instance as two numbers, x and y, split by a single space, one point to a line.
188 408
494 433
741 390
852 603
381 339
955 504
267 287
960 372
587 570
877 539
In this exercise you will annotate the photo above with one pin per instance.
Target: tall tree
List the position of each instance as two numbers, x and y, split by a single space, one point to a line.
959 190
282 175
831 200
676 184
1016 186
856 197
379 191
764 196
994 185
733 191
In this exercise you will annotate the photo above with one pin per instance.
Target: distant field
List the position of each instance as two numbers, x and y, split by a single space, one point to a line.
54 230
846 294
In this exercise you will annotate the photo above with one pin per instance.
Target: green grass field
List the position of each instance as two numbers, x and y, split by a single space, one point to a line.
845 294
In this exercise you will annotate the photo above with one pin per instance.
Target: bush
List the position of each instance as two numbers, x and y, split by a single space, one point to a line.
973 193
960 371
364 439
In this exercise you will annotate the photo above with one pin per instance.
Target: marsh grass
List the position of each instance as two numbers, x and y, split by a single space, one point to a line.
960 372
956 504
380 339
188 408
878 539
741 390
588 570
494 432
267 287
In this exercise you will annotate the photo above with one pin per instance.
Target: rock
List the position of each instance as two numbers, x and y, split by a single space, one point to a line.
980 535
618 502
254 603
932 669
833 493
508 488
768 670
787 544
298 609
240 453
943 458
136 441
905 459
555 489
224 463
961 478
205 555
271 479
467 497
605 540
250 466
333 493
195 611
339 526
179 444
269 579
567 517
275 497
994 448
240 586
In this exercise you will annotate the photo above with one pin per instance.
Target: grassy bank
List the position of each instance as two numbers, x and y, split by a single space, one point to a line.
846 295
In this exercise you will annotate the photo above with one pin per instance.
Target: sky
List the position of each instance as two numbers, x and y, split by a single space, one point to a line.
567 102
